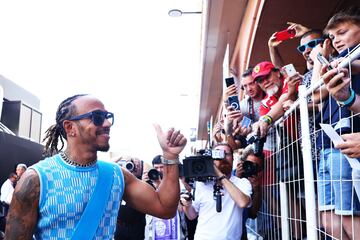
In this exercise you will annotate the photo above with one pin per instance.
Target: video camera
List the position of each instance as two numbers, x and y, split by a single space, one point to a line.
201 167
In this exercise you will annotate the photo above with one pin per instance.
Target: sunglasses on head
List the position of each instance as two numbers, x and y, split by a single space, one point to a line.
310 44
97 117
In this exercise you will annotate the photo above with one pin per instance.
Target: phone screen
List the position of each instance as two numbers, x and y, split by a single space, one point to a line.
229 81
245 122
234 102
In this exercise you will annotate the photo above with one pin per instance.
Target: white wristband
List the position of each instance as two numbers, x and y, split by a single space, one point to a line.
169 161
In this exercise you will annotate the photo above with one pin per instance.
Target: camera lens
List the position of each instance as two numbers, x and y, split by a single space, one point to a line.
198 167
250 169
130 166
154 174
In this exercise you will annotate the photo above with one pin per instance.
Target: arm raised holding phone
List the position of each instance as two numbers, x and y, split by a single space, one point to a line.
294 30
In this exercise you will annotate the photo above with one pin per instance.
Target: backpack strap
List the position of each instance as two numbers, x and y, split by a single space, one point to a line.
95 208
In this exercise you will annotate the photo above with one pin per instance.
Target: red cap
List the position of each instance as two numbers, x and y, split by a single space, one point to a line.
262 69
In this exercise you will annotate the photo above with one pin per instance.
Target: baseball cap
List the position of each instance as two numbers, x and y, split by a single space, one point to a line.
262 69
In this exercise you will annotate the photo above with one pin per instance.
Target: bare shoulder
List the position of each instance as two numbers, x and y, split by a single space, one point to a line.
23 212
28 187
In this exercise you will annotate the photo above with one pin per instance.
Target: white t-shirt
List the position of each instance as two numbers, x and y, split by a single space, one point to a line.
226 224
7 191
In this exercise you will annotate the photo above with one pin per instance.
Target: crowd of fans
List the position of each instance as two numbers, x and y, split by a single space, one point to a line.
271 89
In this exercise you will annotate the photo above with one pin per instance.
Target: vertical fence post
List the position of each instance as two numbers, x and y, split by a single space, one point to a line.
310 202
284 205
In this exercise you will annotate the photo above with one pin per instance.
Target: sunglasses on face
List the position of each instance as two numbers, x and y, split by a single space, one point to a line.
310 44
97 117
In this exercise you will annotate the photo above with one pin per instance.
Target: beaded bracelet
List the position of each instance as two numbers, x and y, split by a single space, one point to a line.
267 119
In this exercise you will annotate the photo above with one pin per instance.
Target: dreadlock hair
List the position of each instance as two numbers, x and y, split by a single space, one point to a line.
65 110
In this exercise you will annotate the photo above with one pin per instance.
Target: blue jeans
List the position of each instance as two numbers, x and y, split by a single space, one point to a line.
335 185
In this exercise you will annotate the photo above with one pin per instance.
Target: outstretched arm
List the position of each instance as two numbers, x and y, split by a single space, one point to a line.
163 202
23 214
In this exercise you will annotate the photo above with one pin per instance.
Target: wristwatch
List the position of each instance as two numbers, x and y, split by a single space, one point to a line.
348 102
169 161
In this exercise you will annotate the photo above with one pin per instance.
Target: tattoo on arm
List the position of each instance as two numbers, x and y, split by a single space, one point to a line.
23 213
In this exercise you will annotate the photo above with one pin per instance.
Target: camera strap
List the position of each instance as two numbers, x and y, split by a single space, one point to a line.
95 208
251 109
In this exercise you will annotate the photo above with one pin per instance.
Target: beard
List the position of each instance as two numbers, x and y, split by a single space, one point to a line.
272 91
104 148
225 168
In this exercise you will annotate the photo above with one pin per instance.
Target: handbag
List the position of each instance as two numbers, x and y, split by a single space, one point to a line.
95 208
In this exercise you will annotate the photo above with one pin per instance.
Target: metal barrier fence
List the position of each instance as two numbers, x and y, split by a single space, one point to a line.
290 208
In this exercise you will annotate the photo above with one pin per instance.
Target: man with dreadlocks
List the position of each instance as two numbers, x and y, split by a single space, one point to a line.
73 195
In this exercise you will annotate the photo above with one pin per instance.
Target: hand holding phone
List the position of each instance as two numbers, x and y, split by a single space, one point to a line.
285 34
324 61
245 122
229 81
290 70
234 102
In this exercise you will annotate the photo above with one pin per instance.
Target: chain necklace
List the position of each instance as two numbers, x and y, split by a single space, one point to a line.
65 157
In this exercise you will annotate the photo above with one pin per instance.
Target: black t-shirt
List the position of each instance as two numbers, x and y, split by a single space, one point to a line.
130 224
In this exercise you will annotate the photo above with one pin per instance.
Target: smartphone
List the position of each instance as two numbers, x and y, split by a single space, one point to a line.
229 81
246 122
234 102
324 61
290 70
285 34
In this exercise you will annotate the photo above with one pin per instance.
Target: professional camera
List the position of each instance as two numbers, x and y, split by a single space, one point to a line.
250 169
154 174
129 165
257 143
201 167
